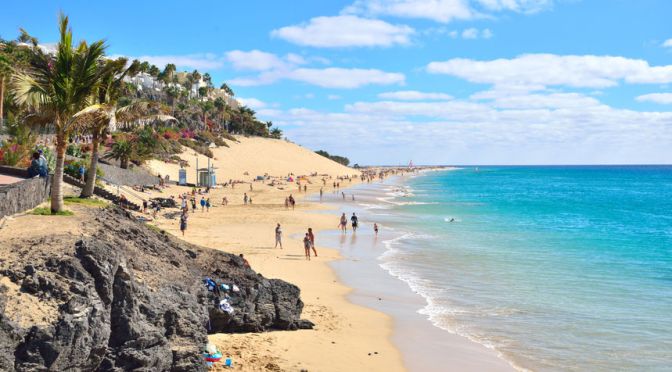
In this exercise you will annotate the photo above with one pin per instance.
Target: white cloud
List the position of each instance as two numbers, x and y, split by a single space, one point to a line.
470 33
345 78
438 10
205 61
521 6
586 71
255 60
667 43
546 101
414 95
444 11
272 68
295 59
253 103
481 132
662 98
467 33
345 31
333 97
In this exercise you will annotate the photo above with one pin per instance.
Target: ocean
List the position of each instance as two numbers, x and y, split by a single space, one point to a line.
563 268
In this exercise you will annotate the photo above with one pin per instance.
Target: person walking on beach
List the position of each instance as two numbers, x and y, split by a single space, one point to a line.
375 228
306 246
305 188
312 240
224 201
207 205
193 204
292 202
286 203
278 236
245 199
321 192
183 221
344 223
354 221
202 204
144 206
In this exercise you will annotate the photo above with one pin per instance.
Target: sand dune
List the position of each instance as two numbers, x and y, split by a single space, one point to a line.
256 156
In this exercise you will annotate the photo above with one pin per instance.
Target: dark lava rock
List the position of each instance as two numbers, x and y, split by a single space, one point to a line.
131 298
163 202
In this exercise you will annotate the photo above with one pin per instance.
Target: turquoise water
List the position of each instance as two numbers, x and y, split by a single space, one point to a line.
556 268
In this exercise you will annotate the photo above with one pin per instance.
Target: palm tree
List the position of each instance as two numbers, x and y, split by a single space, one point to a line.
59 86
226 89
206 107
5 71
121 150
105 115
102 116
222 113
169 72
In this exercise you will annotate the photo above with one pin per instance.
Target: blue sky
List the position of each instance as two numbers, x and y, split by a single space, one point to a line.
435 81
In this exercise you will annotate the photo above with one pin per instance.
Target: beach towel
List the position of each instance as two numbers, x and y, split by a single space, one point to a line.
225 306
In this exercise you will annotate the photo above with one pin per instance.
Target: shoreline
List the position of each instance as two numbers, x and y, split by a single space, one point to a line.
423 345
366 334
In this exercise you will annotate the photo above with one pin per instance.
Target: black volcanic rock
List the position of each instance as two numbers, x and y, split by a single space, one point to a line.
132 298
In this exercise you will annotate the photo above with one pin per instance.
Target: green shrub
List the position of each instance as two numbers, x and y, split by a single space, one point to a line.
199 148
74 150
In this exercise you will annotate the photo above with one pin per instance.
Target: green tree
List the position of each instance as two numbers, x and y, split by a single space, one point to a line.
154 71
276 133
102 116
206 107
5 72
121 150
227 89
144 66
169 73
59 86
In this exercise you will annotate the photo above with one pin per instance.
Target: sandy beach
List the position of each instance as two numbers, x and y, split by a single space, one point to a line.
348 336
365 319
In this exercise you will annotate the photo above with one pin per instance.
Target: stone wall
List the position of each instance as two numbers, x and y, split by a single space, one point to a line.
23 195
128 177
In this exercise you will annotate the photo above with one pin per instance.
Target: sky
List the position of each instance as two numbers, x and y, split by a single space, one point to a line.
432 81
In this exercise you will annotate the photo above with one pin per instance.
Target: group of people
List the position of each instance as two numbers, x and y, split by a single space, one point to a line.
308 241
290 202
354 221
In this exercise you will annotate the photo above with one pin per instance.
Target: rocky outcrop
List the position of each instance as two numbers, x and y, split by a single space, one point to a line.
131 298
